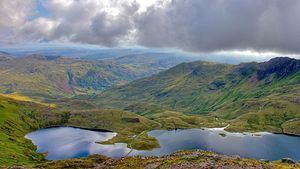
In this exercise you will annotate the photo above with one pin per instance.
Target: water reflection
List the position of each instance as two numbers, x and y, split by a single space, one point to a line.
67 142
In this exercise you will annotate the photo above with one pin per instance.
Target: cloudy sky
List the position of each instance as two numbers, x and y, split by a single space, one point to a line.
270 26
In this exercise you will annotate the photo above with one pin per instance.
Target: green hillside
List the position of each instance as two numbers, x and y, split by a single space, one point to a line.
249 96
17 118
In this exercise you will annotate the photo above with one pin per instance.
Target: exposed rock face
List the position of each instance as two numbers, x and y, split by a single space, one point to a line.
281 66
288 160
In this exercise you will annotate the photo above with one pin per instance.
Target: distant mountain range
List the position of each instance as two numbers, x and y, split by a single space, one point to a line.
91 52
57 76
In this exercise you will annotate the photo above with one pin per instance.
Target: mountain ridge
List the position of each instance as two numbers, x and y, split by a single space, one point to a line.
231 92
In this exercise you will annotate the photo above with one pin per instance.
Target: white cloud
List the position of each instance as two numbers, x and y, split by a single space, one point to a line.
14 13
42 27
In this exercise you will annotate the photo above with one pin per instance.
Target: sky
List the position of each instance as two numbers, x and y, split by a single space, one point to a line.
198 26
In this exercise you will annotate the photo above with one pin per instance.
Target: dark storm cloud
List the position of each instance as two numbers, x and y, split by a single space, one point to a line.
214 25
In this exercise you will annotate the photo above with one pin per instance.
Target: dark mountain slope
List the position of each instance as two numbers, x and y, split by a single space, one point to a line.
282 67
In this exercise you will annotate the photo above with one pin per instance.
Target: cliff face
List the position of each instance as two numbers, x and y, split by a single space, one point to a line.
281 66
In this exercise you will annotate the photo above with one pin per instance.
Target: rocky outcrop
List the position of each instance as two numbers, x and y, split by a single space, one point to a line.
281 66
288 161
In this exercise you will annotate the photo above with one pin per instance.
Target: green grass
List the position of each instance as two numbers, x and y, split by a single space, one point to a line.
15 122
126 124
18 118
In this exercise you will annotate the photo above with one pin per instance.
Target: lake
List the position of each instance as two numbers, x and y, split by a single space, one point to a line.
69 142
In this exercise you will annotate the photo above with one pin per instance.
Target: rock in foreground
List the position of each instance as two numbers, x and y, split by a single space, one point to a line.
179 160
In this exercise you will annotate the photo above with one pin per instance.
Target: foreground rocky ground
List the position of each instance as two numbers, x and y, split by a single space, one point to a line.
179 160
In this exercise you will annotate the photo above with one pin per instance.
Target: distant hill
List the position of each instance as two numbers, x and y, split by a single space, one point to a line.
251 96
4 56
155 62
57 76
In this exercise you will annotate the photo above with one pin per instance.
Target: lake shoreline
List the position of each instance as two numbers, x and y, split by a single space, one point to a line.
205 128
84 128
288 134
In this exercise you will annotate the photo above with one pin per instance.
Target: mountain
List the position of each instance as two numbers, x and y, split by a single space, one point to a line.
58 76
249 96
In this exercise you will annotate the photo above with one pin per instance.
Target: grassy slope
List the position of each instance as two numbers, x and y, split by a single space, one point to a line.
15 122
266 108
176 88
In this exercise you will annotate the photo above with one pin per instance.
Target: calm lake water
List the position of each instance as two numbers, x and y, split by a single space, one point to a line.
68 142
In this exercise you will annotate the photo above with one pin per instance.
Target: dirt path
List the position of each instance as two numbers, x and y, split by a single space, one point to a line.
130 144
